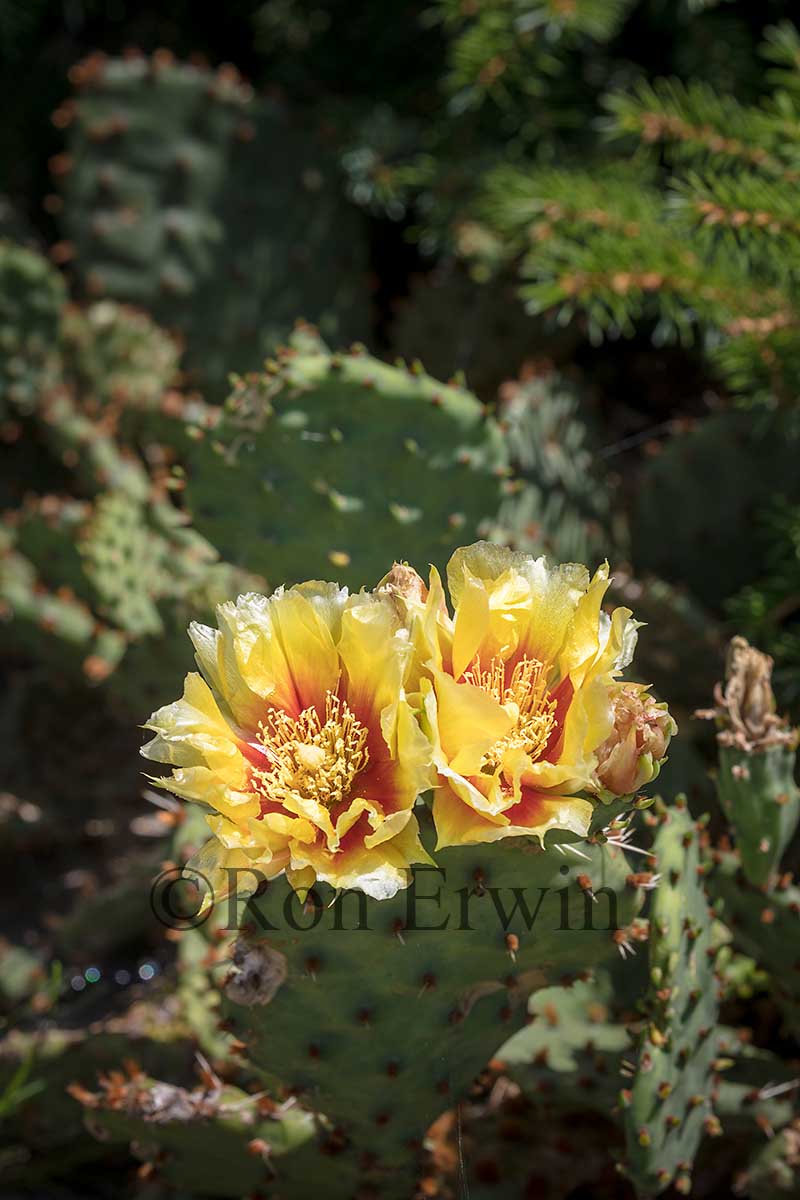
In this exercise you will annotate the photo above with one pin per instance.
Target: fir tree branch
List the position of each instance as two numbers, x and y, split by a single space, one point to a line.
693 121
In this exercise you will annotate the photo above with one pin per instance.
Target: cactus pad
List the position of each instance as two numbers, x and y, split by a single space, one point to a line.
668 1106
381 1028
760 798
32 295
559 505
765 924
167 205
344 463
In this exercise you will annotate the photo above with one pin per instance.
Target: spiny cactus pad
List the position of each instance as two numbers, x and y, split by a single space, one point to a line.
668 1105
118 356
32 296
53 1059
775 1169
338 463
167 204
765 924
82 373
571 1049
29 609
559 505
125 564
108 579
761 800
212 1139
381 1028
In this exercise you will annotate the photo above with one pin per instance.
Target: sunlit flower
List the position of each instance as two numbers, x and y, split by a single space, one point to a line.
518 693
299 740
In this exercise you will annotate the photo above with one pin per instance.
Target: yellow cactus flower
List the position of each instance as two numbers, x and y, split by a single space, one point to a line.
517 690
299 740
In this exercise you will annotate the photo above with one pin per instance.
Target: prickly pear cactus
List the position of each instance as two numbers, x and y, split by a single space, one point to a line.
382 1027
765 923
337 457
118 357
760 798
97 380
572 1048
212 1139
775 1170
86 584
166 204
558 503
109 354
32 297
757 758
44 620
125 564
669 1104
88 576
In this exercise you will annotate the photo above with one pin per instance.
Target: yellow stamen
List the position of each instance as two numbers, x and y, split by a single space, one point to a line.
313 759
526 698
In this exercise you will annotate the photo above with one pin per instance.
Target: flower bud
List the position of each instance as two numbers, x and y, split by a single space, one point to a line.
404 581
632 754
745 704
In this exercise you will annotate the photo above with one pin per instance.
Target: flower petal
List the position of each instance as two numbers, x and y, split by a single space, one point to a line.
469 720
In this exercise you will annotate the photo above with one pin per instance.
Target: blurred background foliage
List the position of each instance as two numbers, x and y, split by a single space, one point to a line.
579 215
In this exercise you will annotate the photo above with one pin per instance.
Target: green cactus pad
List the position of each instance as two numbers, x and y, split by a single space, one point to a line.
381 1028
337 464
761 800
572 1048
32 296
559 505
765 924
212 1140
668 1104
168 205
125 564
112 579
118 357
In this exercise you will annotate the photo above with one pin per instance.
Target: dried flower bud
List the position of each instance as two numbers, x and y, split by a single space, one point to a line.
632 754
404 581
745 707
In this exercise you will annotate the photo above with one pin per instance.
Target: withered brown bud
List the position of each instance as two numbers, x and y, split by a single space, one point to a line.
403 581
745 705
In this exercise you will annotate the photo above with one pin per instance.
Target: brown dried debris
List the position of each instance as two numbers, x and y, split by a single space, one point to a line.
130 1091
257 972
745 705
